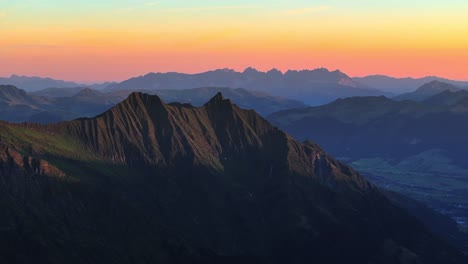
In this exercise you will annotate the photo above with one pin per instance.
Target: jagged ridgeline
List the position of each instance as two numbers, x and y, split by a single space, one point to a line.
150 182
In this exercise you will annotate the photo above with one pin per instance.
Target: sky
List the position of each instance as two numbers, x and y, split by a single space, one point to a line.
112 40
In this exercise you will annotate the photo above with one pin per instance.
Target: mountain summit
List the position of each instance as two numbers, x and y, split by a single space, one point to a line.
217 98
152 182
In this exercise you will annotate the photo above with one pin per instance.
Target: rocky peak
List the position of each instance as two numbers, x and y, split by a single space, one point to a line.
138 99
217 99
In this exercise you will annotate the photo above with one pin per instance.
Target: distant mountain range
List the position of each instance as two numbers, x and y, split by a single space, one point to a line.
364 127
312 87
58 104
402 85
16 105
151 182
409 124
31 84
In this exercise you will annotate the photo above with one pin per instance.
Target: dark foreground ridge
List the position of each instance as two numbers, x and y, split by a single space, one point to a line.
150 182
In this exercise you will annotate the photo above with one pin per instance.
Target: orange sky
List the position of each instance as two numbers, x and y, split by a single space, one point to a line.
129 38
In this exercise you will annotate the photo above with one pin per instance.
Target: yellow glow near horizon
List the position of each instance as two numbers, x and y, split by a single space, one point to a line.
116 44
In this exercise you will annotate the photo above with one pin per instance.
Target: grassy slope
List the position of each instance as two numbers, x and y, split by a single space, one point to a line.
60 150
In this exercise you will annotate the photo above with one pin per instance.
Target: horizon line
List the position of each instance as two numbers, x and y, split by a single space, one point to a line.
88 82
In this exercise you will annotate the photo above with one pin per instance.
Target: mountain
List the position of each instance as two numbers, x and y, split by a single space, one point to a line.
32 84
149 182
415 148
11 95
427 90
35 83
16 105
354 111
309 86
401 85
356 127
377 126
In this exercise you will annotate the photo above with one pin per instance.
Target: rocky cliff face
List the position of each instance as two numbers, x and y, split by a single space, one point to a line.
175 183
12 162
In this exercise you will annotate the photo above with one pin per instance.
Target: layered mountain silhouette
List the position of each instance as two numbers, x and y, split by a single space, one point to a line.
149 182
369 127
59 104
322 84
428 90
310 86
17 105
35 83
402 85
378 126
32 84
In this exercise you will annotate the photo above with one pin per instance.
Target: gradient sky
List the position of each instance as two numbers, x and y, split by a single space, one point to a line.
90 40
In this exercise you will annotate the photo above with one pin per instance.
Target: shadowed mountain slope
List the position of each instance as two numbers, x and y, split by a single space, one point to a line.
153 182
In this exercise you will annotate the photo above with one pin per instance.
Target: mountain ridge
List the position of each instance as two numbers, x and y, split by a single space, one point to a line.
402 85
310 86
